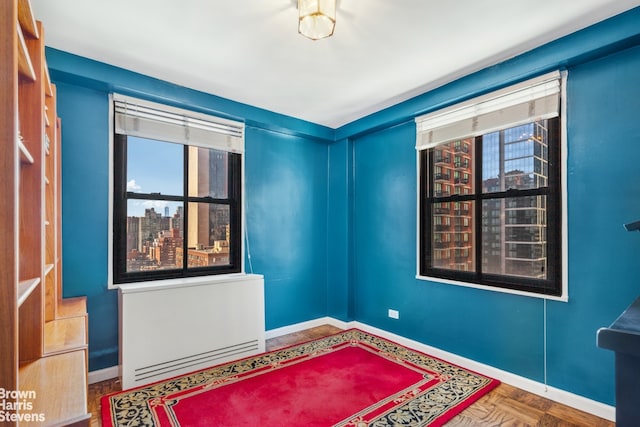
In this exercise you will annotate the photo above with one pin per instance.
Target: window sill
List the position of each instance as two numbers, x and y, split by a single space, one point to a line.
153 285
563 298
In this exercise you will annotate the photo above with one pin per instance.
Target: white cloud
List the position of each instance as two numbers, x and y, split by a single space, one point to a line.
132 186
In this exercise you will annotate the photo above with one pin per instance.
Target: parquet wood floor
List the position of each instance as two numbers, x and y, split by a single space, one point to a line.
505 406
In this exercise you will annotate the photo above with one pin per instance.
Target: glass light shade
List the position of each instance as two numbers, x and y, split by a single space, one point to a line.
316 18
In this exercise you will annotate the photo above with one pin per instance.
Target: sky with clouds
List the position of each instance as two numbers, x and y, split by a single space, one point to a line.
153 167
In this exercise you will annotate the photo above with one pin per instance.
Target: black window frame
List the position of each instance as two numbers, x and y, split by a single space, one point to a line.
553 284
121 196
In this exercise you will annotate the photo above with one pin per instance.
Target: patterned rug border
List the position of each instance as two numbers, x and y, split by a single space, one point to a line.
455 388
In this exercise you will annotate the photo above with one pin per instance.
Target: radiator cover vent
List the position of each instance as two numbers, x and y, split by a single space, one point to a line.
197 361
170 330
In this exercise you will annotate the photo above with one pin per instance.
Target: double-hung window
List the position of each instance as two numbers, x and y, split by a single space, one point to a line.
490 193
176 192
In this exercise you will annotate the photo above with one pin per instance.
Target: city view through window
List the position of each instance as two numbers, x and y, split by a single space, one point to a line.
513 229
160 216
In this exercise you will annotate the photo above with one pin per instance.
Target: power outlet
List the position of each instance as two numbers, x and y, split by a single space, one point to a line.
394 314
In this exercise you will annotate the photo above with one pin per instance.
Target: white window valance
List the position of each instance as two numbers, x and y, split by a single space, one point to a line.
525 102
150 120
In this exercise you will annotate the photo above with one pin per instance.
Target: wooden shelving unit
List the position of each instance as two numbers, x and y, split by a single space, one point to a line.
52 373
43 336
25 288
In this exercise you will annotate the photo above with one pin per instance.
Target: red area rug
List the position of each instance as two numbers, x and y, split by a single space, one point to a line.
348 379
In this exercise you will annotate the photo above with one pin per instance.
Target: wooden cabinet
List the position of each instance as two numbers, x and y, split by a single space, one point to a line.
43 336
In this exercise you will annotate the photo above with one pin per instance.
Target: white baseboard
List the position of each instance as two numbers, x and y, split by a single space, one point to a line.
273 333
104 374
557 395
598 409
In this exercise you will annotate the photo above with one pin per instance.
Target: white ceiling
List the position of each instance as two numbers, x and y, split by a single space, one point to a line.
382 51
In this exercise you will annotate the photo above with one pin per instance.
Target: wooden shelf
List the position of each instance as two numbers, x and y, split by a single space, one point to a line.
46 349
26 18
72 307
55 379
48 269
25 288
64 335
48 89
25 155
25 67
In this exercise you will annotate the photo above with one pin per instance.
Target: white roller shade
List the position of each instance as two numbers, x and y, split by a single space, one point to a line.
535 99
150 120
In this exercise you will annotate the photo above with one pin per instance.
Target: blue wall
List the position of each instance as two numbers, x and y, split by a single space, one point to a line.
331 214
493 328
501 330
506 331
604 193
286 196
85 208
339 231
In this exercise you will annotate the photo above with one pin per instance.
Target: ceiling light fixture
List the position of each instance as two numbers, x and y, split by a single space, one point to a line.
316 18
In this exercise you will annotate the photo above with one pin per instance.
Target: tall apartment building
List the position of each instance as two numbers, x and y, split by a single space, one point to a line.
453 221
513 237
209 175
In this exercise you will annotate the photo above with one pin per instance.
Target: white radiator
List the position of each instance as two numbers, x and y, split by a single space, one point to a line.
175 328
